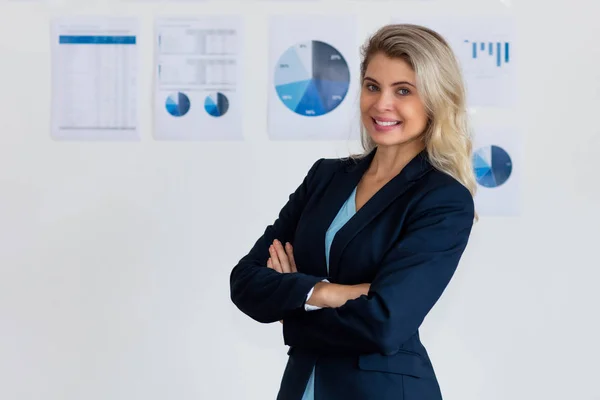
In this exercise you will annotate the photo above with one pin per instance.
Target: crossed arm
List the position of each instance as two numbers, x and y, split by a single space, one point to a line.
324 294
273 293
410 279
266 294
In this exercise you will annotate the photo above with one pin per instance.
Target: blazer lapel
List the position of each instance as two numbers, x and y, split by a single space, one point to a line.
336 193
342 186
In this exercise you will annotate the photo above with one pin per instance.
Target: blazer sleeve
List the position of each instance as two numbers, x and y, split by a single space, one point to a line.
412 277
261 293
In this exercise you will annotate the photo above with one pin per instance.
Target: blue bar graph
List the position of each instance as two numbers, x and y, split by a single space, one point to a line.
480 47
498 53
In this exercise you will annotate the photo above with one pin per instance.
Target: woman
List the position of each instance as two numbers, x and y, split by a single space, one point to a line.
376 237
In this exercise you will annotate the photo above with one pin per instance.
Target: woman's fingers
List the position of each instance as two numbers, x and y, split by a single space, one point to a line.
274 259
290 253
273 263
282 258
278 252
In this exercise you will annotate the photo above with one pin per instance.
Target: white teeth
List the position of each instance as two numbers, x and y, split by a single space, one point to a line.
390 123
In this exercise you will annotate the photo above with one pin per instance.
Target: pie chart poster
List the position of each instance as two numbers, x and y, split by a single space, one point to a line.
313 77
498 170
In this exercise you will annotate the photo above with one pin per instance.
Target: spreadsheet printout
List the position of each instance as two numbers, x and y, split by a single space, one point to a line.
94 78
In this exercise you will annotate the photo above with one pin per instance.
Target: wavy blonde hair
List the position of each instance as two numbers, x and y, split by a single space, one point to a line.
440 84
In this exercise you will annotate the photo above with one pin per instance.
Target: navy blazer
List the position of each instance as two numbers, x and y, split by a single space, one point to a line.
406 241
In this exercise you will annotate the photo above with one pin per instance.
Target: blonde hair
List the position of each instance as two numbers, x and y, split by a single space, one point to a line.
440 84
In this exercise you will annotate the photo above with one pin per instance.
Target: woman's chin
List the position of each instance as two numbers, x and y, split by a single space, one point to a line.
386 139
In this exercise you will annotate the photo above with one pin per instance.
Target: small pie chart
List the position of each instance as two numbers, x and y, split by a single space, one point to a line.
492 165
216 104
312 78
178 104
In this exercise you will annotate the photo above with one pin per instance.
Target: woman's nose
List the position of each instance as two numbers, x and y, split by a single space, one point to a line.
384 102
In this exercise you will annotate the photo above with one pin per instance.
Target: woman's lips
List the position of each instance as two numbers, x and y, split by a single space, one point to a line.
387 124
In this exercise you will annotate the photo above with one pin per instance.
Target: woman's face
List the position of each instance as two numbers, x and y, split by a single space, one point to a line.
391 109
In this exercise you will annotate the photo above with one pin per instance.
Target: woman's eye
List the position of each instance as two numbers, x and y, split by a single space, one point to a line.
371 87
404 92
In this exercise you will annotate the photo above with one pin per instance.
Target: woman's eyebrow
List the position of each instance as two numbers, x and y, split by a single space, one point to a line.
393 84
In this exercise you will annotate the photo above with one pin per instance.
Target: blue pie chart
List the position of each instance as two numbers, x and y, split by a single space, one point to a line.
492 165
178 104
312 78
216 104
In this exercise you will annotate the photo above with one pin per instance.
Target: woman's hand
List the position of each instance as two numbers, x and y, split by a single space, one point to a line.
333 295
326 294
282 259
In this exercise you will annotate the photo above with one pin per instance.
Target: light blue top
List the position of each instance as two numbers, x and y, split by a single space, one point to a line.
345 213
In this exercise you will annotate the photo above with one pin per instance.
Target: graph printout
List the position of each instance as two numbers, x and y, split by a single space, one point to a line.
498 167
485 48
313 75
197 76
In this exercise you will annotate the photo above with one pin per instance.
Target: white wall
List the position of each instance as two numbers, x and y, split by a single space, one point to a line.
115 257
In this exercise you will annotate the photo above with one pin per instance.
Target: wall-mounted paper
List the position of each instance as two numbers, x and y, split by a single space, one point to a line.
498 170
485 49
197 77
313 78
94 85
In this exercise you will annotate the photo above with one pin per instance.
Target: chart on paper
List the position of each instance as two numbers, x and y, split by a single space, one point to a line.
312 78
197 68
485 48
94 67
312 88
216 104
493 166
497 165
178 104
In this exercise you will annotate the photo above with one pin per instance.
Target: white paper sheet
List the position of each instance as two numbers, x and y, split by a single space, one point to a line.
94 78
197 76
313 76
485 49
498 170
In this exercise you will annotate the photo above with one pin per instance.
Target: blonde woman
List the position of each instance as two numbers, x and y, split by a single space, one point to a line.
366 245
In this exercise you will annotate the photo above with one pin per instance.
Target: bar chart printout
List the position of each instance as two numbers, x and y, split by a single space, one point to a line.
94 78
